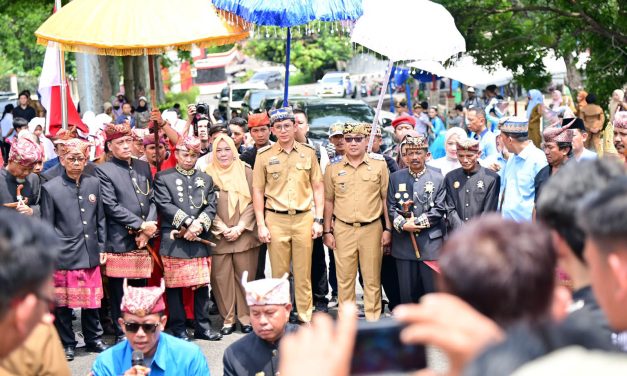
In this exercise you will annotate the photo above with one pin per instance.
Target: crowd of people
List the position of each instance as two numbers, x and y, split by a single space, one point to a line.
498 238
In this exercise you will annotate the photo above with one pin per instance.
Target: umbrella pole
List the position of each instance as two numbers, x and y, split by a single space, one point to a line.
153 104
58 5
375 121
288 45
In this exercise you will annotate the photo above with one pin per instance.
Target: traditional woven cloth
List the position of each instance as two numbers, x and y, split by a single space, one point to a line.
468 144
114 131
269 291
281 114
133 265
178 272
258 120
25 152
78 288
190 144
142 301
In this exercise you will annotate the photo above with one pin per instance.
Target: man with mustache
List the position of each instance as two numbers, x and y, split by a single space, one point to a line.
416 206
472 189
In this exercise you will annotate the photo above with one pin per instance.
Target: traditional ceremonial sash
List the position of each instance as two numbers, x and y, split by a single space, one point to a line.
78 288
135 264
179 272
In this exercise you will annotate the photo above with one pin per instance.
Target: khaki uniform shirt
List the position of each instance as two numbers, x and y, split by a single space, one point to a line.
41 354
287 178
358 193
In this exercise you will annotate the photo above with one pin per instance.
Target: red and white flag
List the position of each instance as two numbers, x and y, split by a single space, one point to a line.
50 92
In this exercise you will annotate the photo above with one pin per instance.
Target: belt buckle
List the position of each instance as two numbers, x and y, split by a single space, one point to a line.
356 224
291 211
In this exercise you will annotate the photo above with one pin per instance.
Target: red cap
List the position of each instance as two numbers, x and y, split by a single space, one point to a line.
258 120
404 120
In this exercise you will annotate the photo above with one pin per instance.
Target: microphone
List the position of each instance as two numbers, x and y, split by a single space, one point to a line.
137 358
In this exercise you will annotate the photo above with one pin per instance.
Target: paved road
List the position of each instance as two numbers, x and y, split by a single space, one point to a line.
213 350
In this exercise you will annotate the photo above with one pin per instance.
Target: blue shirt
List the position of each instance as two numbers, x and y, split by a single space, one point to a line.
174 357
122 118
587 155
518 185
487 144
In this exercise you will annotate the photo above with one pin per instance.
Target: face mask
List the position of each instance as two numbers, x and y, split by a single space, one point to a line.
116 107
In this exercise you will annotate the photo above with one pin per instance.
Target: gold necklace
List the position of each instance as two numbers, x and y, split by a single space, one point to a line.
139 190
185 172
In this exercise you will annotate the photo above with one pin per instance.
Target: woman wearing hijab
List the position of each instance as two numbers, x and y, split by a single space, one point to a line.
142 113
450 162
535 110
235 227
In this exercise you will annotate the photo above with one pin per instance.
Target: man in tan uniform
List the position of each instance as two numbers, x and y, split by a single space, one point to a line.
286 182
355 195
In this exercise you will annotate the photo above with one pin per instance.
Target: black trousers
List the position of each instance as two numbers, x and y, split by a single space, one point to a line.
415 279
332 274
261 262
176 319
319 280
90 325
116 291
389 281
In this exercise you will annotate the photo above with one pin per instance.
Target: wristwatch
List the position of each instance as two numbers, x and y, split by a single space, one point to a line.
319 221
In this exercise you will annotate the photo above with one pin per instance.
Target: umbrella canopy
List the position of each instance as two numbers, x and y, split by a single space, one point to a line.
143 27
387 27
289 13
469 73
430 66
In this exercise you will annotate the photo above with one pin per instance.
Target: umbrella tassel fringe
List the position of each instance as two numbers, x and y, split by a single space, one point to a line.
138 51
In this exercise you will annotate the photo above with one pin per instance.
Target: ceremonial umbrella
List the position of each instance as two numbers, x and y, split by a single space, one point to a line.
389 28
138 27
290 13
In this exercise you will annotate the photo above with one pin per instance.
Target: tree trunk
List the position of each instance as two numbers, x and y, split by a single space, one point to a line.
129 78
140 71
573 76
94 83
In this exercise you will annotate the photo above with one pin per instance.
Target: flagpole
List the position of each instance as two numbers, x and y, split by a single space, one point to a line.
63 89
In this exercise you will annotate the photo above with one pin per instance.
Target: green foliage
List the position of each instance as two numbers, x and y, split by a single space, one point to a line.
519 33
312 54
298 78
18 22
184 98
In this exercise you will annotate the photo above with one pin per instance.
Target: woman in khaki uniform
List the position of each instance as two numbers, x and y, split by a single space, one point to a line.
235 226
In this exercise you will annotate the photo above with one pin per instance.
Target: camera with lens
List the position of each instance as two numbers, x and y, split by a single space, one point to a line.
202 112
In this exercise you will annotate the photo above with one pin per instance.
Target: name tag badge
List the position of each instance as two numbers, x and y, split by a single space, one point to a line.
273 161
402 187
341 173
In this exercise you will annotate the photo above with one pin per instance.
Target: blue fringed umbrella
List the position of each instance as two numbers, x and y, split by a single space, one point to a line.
290 13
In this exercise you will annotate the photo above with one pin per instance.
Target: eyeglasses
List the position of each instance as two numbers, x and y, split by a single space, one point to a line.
350 139
281 127
76 160
133 327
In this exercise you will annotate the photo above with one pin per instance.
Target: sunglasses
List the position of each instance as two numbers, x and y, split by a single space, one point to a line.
350 139
133 327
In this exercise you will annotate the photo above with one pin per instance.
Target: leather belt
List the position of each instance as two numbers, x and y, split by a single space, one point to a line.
288 212
357 224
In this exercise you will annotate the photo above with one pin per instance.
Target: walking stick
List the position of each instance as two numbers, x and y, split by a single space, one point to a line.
407 213
178 234
18 196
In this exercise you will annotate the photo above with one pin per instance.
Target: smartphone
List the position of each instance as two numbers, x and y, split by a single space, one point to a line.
379 350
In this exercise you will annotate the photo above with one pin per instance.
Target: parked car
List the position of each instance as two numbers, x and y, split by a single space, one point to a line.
323 112
272 79
235 93
335 84
254 98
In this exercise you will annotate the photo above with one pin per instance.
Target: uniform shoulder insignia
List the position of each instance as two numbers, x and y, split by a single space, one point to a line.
263 149
309 146
246 164
335 159
376 156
